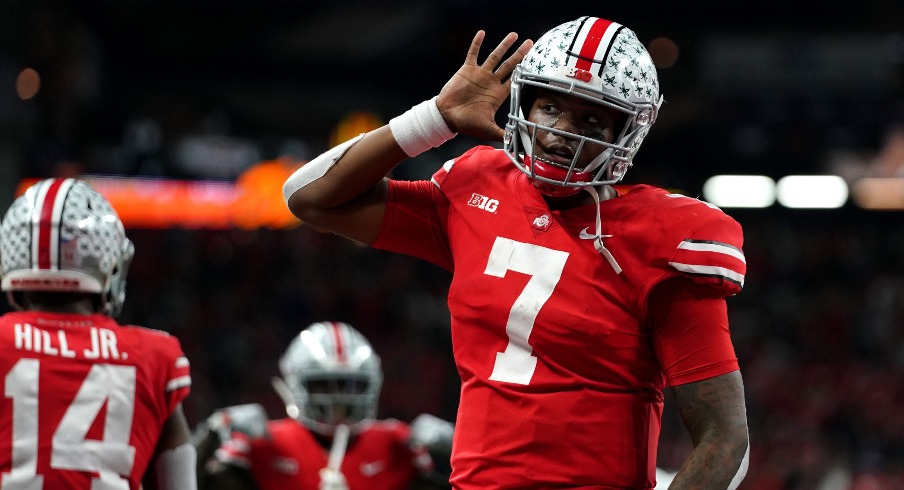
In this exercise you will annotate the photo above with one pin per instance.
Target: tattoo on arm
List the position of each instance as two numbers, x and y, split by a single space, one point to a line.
715 415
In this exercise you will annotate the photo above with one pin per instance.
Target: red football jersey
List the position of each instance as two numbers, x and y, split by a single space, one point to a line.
289 456
85 399
561 374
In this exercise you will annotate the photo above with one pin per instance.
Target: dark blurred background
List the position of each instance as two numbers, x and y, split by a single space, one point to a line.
207 89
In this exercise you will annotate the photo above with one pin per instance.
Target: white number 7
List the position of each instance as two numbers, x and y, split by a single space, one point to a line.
544 265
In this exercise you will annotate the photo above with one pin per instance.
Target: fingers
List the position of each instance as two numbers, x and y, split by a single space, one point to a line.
471 57
507 67
497 54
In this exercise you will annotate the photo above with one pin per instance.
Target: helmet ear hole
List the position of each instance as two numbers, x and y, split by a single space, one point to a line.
528 97
624 124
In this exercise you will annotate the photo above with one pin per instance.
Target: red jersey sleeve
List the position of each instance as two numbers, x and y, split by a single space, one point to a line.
163 355
178 380
712 255
414 223
690 332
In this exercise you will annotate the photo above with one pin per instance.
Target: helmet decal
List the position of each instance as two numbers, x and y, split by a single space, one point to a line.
62 235
591 43
48 207
337 337
597 60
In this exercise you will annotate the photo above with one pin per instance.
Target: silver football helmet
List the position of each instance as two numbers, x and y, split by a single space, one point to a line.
61 235
330 376
597 60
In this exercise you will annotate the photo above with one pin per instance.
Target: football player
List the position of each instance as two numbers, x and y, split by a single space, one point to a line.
331 439
89 404
574 303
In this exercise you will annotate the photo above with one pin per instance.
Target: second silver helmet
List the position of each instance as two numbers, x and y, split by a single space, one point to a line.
333 377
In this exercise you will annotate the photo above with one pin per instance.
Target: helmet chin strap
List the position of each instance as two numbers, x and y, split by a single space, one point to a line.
528 150
598 240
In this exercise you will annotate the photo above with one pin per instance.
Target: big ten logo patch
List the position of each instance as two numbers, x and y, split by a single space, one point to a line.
483 202
582 75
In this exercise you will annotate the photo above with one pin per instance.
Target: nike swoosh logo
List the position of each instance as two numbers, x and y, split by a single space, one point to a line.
583 235
371 469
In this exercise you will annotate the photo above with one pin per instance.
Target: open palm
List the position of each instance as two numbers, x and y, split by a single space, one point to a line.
470 99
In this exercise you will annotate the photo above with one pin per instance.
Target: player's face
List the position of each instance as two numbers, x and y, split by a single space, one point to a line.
337 391
574 115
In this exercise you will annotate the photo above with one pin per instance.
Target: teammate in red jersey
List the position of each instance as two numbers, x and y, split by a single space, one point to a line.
573 304
331 440
89 403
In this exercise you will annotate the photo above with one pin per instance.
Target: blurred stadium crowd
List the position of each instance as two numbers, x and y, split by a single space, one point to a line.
204 90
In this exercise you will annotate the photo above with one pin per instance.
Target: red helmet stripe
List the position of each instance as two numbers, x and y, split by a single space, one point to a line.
592 41
47 241
340 347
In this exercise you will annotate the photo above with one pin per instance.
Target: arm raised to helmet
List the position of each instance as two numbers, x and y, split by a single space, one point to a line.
344 191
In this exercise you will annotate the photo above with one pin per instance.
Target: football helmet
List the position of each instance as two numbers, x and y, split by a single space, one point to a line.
61 235
600 61
330 375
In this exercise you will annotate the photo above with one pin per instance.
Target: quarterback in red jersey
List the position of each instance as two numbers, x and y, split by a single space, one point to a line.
331 440
90 404
573 304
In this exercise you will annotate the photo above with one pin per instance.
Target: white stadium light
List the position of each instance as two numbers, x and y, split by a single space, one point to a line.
812 191
739 191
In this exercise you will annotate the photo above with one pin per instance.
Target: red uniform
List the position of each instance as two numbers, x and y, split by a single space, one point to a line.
562 376
378 458
85 400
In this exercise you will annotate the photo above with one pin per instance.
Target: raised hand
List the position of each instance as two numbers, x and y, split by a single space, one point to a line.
470 99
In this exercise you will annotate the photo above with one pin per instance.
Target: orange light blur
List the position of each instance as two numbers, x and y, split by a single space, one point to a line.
253 201
352 125
28 83
664 52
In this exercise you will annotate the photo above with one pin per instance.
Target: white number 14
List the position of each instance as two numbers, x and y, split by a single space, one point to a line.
110 457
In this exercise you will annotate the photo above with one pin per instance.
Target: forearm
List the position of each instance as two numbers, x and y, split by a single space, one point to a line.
343 190
714 412
348 171
336 177
718 463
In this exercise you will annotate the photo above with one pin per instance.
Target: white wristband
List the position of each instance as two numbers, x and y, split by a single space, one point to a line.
420 128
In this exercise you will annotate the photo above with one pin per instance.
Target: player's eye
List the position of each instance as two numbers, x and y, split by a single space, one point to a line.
549 109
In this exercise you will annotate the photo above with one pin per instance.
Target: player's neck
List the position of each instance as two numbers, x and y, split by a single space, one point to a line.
51 302
579 199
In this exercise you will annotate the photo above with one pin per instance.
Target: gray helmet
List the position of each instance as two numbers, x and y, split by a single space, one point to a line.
63 236
331 375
